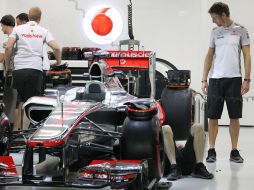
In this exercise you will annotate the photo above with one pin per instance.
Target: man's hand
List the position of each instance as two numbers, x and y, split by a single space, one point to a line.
55 64
8 71
245 87
204 87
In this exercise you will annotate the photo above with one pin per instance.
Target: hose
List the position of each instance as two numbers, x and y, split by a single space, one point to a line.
130 28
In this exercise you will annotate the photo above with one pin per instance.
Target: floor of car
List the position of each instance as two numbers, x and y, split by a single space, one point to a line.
228 175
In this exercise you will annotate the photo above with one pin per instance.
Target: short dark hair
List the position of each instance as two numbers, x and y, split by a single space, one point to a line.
23 17
219 8
8 20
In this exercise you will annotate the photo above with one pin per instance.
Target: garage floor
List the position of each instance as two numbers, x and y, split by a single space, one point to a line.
228 176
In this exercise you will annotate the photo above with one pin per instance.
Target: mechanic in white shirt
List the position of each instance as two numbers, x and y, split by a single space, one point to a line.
1 68
7 25
9 94
28 59
22 18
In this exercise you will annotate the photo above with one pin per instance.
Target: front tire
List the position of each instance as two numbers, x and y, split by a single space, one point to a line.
141 140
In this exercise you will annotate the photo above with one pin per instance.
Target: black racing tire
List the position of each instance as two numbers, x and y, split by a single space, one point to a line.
177 104
143 140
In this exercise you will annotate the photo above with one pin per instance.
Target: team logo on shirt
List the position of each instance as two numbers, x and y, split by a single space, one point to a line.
103 24
31 35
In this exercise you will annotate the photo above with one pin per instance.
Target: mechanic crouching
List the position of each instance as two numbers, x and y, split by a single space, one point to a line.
188 159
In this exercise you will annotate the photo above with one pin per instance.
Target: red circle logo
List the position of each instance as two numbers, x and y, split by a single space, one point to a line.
103 24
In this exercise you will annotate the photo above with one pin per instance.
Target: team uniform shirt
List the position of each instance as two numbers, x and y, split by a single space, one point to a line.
1 63
46 63
30 38
2 51
228 42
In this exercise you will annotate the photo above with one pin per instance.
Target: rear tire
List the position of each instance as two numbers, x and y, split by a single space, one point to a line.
177 104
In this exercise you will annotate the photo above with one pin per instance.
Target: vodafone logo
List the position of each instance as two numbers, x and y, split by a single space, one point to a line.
122 61
103 24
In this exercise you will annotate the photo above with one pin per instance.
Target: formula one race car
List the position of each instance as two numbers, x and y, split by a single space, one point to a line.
98 135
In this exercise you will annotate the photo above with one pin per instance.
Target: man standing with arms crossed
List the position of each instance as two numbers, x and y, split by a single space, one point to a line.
28 59
223 64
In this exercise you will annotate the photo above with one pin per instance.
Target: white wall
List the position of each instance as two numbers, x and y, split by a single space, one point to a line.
62 18
2 7
178 30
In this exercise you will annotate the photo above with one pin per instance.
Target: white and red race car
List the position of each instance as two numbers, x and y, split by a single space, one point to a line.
98 135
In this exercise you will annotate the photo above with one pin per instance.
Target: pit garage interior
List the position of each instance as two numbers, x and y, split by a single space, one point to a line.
178 33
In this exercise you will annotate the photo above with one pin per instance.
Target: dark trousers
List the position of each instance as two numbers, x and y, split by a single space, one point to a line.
28 83
224 90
